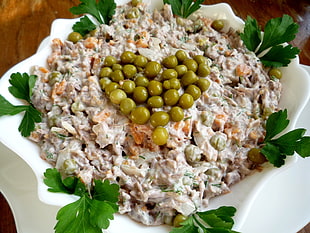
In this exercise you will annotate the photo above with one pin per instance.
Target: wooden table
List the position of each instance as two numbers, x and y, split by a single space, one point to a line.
24 24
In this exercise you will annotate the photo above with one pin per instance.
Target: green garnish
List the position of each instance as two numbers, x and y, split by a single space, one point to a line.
213 221
276 150
22 85
102 11
94 209
277 31
183 8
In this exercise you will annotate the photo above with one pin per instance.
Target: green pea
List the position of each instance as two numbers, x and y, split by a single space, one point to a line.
136 2
155 102
217 24
140 61
160 136
104 82
128 86
54 77
173 83
178 219
110 87
181 70
141 81
159 118
133 13
200 59
171 97
203 84
170 61
155 87
105 72
169 73
140 94
189 78
140 115
191 64
194 91
181 55
117 75
186 101
127 105
129 71
109 61
275 73
218 141
117 95
256 156
203 70
75 37
128 57
152 69
117 67
176 113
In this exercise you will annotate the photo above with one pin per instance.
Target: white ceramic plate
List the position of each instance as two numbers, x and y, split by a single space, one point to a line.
296 93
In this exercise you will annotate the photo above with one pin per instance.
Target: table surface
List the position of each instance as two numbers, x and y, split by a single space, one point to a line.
24 24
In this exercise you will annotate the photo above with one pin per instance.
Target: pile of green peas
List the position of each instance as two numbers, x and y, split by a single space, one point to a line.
141 88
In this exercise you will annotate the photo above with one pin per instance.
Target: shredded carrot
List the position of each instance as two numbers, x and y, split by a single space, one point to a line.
57 41
59 88
141 44
243 70
90 42
43 70
101 116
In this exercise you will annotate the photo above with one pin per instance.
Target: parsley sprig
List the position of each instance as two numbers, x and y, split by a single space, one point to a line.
94 209
276 150
21 88
276 32
102 11
212 221
184 8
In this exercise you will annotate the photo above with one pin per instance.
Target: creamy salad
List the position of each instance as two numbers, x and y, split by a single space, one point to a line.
84 134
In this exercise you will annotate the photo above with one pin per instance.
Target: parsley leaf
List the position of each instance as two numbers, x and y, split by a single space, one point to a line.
279 56
84 26
213 221
22 85
102 11
252 35
276 150
94 209
183 8
277 31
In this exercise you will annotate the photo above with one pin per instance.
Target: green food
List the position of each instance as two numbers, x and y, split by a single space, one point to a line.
160 136
140 94
75 37
155 88
276 150
129 71
212 221
194 91
22 85
140 115
109 61
152 69
117 95
117 75
176 113
170 62
277 31
94 209
155 102
217 24
105 72
159 118
128 86
184 8
171 97
186 101
128 57
191 64
275 73
127 105
102 11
